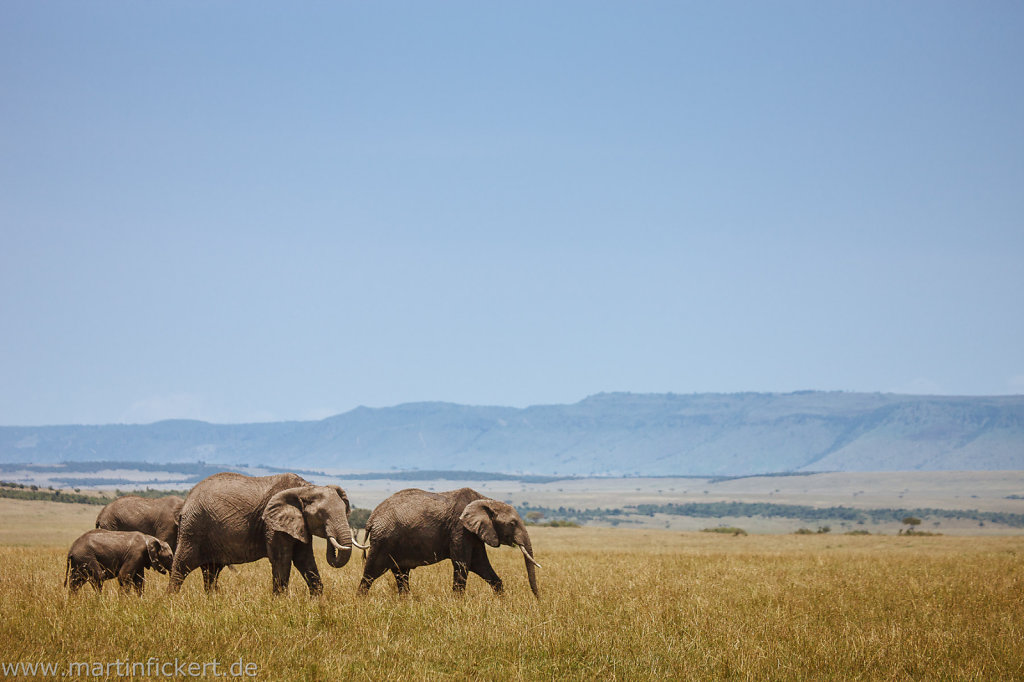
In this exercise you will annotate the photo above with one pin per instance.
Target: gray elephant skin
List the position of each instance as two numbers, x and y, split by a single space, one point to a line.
417 528
231 518
153 516
99 555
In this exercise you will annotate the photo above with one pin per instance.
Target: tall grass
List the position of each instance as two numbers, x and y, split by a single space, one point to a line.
615 604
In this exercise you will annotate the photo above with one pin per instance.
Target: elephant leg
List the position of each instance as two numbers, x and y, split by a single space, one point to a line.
80 578
459 574
482 567
401 579
139 582
280 555
124 584
211 572
129 574
96 574
373 569
302 558
78 575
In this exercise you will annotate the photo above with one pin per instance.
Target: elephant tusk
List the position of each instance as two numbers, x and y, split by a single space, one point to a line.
356 542
337 545
528 557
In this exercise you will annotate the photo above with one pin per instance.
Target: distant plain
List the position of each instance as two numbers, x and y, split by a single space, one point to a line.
987 491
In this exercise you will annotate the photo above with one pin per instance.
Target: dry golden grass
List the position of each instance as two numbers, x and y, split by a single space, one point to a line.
616 604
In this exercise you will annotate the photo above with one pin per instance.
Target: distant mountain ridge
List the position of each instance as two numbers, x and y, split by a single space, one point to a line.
605 434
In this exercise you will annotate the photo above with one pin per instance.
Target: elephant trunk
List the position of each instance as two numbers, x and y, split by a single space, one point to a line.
339 544
522 539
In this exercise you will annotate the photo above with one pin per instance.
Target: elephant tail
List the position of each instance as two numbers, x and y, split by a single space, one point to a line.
67 570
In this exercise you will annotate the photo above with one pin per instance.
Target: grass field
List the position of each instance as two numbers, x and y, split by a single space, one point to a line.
615 604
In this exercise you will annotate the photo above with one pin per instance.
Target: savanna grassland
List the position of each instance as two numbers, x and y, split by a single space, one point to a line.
615 604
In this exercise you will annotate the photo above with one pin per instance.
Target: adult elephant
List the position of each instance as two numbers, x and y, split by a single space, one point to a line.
153 516
230 518
416 528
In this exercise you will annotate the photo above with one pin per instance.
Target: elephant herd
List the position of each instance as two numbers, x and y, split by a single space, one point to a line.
230 518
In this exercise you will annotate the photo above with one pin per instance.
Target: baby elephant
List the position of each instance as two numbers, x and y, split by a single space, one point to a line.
99 555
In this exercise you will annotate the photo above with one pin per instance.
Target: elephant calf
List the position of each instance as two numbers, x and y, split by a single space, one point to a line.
99 555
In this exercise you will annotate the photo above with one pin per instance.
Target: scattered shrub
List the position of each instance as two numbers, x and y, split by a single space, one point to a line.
725 530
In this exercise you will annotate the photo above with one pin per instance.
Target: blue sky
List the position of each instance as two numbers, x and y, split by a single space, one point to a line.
260 211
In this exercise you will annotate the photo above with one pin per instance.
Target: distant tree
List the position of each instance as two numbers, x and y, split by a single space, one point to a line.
534 516
912 522
358 517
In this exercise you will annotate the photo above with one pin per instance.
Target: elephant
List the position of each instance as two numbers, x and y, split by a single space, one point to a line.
417 528
101 554
230 518
153 516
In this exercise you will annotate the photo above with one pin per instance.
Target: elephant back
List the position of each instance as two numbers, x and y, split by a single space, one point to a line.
222 517
151 516
418 517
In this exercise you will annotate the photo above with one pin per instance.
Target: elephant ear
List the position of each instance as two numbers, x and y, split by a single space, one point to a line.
284 513
476 517
153 550
343 496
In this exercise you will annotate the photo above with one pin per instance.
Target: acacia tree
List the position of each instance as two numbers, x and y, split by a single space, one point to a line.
912 522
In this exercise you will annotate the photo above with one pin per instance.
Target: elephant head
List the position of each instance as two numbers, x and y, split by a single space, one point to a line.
320 510
160 555
497 523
